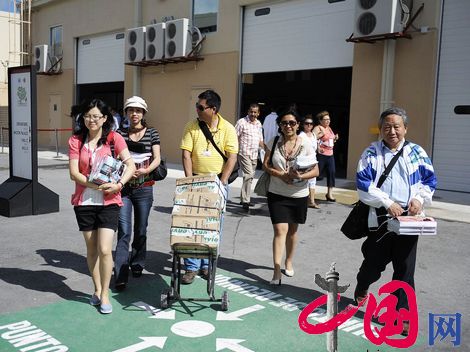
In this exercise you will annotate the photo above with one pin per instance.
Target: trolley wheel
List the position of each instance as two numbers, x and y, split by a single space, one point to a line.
164 299
224 302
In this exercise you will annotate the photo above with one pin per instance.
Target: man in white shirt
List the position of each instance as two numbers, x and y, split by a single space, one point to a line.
250 139
270 127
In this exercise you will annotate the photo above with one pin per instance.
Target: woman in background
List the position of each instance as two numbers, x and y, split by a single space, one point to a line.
326 159
97 207
308 133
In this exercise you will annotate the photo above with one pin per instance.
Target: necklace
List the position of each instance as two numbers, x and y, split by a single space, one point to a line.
135 130
288 155
136 134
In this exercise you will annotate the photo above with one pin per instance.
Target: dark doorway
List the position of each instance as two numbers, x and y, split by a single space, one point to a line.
111 92
313 91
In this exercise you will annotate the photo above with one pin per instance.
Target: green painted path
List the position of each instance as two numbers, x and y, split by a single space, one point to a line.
258 319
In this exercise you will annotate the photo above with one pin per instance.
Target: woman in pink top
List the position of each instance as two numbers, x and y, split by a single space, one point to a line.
326 159
97 207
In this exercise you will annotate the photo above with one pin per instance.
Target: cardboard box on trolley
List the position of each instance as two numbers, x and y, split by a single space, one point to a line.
200 200
198 205
208 184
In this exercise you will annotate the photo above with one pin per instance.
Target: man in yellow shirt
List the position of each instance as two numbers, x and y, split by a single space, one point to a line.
200 157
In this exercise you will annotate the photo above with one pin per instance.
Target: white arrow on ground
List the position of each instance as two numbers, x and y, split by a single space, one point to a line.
238 313
231 344
152 341
156 313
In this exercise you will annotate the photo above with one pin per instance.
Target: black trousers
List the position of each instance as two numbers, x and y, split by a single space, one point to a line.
327 163
400 250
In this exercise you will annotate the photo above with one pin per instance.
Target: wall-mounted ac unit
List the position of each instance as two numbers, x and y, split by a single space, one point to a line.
374 17
177 38
155 42
135 45
41 58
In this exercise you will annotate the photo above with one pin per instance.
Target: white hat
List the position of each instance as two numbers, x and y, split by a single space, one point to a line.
135 102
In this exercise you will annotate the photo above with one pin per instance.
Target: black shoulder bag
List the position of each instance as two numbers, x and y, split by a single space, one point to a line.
356 225
233 176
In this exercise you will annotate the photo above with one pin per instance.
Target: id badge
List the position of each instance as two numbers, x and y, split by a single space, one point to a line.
206 153
330 142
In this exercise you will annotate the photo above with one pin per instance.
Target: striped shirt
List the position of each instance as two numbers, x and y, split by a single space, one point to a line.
249 135
141 152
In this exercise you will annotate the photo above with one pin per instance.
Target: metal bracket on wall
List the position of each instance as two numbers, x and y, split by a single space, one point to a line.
56 67
397 35
192 56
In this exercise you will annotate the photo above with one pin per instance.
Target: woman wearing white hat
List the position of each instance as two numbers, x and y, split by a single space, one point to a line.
144 145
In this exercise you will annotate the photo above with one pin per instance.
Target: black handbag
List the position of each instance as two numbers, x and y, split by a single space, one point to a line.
161 171
233 176
356 225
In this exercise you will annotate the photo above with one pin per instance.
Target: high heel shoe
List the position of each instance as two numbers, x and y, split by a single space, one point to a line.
289 273
329 199
275 282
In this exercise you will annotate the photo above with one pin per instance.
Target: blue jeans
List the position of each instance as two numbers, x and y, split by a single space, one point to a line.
195 264
141 200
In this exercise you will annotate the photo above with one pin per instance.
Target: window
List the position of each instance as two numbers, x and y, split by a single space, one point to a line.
56 42
205 15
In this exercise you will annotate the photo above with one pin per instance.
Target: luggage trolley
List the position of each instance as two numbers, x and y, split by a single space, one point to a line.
192 250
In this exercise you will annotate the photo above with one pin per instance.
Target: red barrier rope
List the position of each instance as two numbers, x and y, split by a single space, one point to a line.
48 129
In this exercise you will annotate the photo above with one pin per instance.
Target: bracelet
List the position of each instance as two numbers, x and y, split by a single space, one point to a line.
122 184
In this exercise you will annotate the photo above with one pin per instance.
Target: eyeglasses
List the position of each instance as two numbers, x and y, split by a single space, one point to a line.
202 107
93 117
290 123
308 123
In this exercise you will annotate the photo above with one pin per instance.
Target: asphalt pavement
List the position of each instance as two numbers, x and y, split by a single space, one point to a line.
43 256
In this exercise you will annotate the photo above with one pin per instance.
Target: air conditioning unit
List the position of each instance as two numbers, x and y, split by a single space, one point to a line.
374 17
41 58
135 45
177 38
155 42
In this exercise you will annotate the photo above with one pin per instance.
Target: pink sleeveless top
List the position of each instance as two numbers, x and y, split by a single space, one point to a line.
327 141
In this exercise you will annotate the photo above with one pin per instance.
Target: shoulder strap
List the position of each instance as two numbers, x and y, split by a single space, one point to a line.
390 166
110 141
209 137
272 149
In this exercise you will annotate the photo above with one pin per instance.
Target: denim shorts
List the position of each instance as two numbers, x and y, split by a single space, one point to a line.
93 217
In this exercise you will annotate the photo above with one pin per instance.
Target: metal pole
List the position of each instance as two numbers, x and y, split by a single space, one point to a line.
332 308
1 137
56 142
330 285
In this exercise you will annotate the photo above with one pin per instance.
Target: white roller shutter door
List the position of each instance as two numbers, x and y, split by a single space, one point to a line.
297 35
451 149
101 58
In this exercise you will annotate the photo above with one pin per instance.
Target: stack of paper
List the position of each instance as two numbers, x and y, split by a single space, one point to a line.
305 162
413 225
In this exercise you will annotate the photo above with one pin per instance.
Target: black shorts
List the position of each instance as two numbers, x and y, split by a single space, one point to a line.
93 217
287 210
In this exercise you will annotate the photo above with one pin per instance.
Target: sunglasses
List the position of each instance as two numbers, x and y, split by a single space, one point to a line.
202 107
290 123
308 123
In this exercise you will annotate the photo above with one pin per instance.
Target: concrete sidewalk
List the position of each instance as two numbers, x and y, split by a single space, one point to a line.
452 206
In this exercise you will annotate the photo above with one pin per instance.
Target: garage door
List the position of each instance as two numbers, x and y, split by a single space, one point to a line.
451 150
101 58
297 35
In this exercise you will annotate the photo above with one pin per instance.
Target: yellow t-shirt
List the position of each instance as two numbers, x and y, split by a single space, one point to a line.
205 158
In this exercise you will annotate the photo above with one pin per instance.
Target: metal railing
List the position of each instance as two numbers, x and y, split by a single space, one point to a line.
55 130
